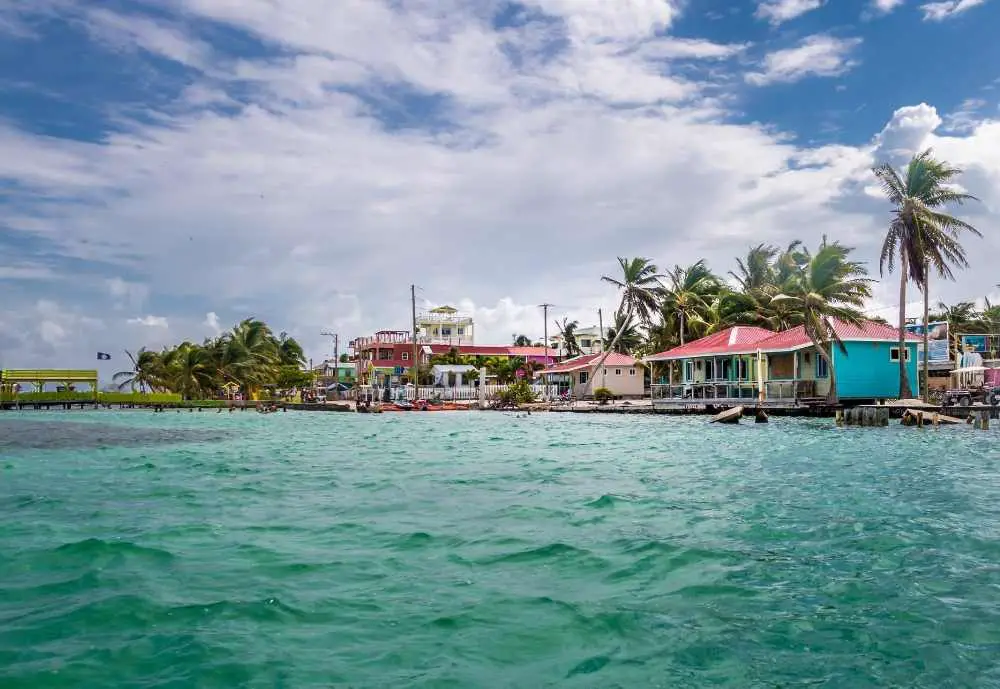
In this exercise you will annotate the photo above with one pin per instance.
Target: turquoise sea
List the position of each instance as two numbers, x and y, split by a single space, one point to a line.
204 550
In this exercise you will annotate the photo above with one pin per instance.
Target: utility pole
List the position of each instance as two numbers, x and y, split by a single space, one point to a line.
600 337
336 361
545 316
415 364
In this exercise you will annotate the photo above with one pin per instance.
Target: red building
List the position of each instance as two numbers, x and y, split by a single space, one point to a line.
390 353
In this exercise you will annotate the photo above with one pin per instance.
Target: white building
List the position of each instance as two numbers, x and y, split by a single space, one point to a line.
445 325
588 339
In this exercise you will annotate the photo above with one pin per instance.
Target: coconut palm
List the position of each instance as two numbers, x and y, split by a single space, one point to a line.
689 295
252 353
567 331
640 288
921 236
290 352
146 374
756 272
962 317
623 337
829 287
191 371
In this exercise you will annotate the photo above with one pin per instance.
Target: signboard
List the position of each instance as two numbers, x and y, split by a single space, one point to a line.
937 344
398 370
976 343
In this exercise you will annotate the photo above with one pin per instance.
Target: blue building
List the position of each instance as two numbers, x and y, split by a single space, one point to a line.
747 363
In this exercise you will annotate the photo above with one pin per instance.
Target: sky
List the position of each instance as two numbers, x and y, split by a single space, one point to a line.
169 168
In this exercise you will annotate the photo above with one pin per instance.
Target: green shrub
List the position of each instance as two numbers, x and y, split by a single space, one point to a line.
603 395
515 394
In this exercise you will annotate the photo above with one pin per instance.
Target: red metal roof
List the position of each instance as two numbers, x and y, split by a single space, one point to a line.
744 339
588 360
736 340
868 331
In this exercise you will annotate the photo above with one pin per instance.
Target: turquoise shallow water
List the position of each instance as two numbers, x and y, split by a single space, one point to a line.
483 550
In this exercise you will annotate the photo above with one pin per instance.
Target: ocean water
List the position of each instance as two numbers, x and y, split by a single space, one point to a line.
204 550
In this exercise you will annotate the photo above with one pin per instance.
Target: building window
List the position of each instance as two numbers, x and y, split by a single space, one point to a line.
583 377
445 332
461 331
741 368
631 371
406 356
894 354
618 371
435 331
585 343
822 368
385 355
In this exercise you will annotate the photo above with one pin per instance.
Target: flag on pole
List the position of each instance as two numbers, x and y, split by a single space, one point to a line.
103 356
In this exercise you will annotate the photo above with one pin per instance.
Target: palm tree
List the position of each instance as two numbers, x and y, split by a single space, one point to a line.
522 341
252 354
290 352
191 371
690 295
829 287
920 235
623 337
146 373
567 330
640 288
962 317
756 272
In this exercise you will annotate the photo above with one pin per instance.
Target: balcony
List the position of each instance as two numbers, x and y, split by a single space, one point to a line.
732 392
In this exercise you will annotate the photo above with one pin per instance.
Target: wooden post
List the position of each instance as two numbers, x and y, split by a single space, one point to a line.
920 419
839 417
937 420
984 420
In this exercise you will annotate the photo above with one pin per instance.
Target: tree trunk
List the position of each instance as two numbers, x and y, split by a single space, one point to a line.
604 354
926 362
904 381
831 370
682 327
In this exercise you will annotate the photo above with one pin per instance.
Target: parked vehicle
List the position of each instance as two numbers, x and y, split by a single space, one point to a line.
965 397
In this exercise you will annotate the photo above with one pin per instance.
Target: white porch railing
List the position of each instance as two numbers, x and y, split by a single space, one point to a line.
774 390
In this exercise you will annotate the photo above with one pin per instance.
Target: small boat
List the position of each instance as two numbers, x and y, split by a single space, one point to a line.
728 416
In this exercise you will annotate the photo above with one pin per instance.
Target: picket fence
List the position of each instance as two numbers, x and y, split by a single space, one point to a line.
458 393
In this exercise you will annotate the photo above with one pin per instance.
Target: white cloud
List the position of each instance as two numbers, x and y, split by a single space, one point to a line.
126 294
212 321
938 11
314 207
689 48
150 321
886 6
966 116
907 132
620 19
819 55
132 32
780 11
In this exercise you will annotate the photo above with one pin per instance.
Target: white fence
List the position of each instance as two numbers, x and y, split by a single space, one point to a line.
458 393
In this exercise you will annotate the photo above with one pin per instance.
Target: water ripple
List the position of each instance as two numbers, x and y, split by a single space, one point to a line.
480 550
